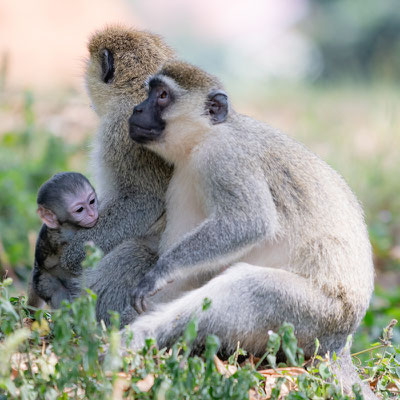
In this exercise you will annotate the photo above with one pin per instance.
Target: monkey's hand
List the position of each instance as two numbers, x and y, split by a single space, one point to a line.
148 286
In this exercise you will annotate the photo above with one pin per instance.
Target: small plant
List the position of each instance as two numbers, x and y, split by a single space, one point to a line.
382 369
66 353
93 255
63 355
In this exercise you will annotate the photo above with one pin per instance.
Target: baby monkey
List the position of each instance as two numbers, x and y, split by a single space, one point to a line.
66 202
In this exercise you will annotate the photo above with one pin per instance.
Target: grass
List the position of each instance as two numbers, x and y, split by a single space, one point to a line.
59 357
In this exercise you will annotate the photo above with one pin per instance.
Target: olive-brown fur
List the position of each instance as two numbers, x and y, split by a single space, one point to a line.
130 180
187 76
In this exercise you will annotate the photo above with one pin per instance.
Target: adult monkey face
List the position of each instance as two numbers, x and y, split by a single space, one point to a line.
146 123
150 118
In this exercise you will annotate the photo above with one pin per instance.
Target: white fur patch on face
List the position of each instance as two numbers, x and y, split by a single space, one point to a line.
174 87
186 126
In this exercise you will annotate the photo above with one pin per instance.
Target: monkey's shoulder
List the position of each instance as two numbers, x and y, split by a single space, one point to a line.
247 143
66 233
247 153
242 145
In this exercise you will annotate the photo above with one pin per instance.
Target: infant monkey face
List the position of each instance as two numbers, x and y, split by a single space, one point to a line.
83 207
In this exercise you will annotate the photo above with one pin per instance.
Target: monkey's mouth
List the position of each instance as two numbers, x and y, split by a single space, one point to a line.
90 224
144 135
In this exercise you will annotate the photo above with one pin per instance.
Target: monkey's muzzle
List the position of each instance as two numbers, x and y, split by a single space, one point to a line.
143 135
145 123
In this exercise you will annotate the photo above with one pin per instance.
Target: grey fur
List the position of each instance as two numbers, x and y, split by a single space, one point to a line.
50 282
279 230
124 266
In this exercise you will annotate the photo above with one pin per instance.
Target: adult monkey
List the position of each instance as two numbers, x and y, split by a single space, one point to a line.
247 197
130 180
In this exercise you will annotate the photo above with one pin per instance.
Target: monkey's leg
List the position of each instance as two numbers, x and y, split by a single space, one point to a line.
59 293
247 302
49 288
347 375
34 299
115 276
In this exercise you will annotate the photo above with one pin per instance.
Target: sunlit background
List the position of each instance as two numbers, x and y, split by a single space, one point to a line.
324 71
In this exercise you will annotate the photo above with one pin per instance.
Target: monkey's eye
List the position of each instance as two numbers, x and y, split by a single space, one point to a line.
79 210
163 98
92 201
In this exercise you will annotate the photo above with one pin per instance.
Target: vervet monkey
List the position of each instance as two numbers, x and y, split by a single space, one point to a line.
131 181
66 202
278 232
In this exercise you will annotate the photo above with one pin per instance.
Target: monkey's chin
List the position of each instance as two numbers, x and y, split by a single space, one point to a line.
144 136
90 224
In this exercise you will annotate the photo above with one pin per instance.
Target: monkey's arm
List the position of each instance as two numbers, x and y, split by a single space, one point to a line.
119 220
242 215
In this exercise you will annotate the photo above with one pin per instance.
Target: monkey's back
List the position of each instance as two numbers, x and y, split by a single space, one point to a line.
319 217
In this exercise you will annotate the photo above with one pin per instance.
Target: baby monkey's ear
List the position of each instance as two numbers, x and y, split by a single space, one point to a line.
48 217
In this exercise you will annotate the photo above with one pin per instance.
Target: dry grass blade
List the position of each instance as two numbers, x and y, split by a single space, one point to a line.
120 386
123 383
224 368
253 395
146 384
392 387
271 376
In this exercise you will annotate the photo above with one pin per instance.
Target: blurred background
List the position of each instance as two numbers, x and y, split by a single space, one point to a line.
324 71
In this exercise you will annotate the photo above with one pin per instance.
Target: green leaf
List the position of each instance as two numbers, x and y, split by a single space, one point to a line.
190 333
324 371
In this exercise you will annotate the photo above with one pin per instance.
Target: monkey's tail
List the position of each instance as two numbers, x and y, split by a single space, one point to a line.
347 375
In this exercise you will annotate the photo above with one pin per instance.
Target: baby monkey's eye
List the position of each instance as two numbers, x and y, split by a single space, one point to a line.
92 201
163 95
79 210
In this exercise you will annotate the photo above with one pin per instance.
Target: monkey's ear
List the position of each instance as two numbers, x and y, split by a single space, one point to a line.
217 106
107 65
48 217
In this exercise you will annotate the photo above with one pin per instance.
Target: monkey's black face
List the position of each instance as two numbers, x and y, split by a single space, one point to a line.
146 124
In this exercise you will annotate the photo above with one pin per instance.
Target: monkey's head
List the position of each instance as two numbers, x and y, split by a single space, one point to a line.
183 104
67 197
120 61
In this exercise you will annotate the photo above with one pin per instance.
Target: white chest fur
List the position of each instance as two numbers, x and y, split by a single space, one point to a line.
185 208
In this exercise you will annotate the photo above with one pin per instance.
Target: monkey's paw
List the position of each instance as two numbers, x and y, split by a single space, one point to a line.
146 287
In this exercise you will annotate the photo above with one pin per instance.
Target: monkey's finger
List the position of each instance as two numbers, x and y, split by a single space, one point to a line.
144 305
136 303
